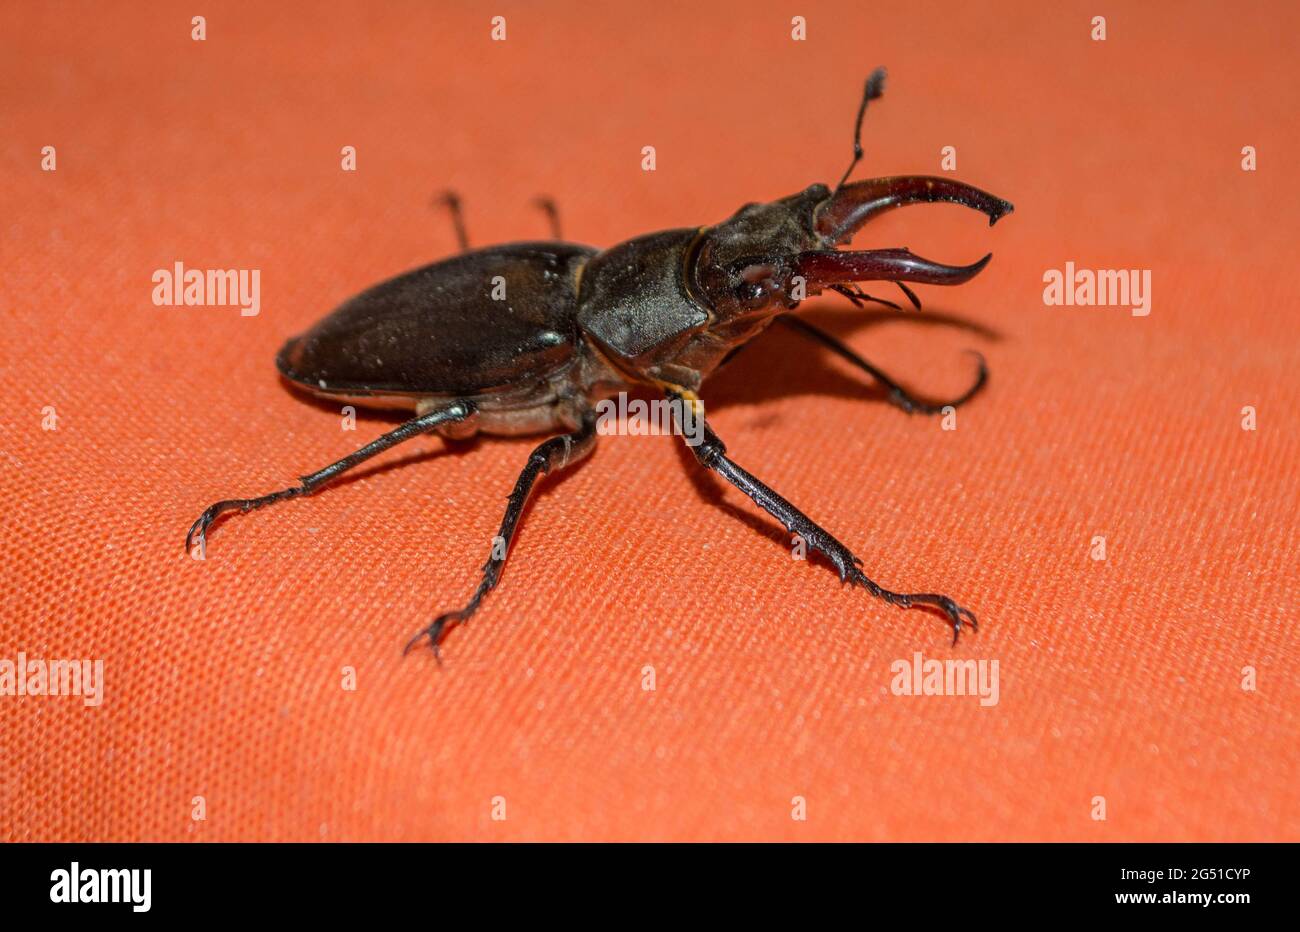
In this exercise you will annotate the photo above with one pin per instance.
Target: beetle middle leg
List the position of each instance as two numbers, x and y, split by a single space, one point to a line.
712 454
897 394
456 412
556 453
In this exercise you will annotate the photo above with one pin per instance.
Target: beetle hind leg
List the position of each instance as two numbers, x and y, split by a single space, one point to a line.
457 411
547 206
556 453
451 200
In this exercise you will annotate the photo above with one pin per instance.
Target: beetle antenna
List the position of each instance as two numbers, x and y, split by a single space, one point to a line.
860 297
874 88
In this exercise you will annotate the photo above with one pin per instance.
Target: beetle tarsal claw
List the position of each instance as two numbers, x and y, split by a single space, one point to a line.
956 614
434 633
198 530
198 533
197 536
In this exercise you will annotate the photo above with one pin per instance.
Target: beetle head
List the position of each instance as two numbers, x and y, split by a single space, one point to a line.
767 257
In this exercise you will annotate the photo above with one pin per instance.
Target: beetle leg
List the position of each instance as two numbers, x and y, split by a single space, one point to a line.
556 453
897 394
552 215
451 200
712 454
456 411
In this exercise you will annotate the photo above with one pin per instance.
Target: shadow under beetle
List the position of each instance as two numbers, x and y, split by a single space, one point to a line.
576 325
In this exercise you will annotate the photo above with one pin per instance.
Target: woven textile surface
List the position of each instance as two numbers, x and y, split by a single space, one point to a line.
654 664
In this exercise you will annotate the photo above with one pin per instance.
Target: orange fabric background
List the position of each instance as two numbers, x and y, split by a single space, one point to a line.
1119 678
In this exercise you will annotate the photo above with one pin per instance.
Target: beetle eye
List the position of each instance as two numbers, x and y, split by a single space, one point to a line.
751 293
754 285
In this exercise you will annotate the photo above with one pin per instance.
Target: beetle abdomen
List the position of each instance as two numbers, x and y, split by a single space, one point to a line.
474 323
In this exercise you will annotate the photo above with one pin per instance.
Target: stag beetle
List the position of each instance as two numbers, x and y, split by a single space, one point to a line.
578 325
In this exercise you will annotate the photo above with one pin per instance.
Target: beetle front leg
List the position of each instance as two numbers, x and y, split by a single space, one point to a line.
454 412
558 452
897 396
712 454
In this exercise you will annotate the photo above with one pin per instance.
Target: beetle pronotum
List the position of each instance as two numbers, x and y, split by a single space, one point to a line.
580 324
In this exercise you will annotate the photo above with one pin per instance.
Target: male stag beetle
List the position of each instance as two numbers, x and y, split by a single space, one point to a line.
578 325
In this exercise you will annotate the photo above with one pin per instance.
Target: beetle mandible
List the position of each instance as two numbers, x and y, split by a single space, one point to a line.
578 325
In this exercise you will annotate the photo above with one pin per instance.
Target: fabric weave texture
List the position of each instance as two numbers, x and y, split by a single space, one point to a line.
225 679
